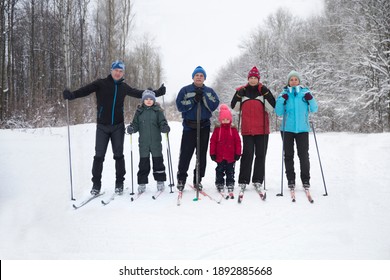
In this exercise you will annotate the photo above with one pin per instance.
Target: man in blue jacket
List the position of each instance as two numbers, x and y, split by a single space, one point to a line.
187 102
110 96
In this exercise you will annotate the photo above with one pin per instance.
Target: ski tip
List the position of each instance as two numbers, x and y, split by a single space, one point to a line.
74 207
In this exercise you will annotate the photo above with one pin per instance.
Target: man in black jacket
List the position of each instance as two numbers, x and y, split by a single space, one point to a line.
110 96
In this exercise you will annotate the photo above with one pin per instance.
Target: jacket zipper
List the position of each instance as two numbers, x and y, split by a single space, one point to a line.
113 104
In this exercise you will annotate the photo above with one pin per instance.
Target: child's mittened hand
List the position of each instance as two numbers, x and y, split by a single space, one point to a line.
165 129
285 96
237 157
130 129
213 157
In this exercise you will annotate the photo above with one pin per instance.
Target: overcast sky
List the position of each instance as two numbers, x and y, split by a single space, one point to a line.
205 32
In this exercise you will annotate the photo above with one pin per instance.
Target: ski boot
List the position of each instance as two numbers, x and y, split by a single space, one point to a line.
180 185
160 186
95 190
119 188
141 188
230 192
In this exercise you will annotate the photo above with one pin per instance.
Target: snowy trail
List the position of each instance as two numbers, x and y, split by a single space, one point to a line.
38 221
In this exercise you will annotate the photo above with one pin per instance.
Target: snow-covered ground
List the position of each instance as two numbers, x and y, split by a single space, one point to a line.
37 220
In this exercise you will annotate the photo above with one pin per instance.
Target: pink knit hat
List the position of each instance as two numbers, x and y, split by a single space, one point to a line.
254 72
224 113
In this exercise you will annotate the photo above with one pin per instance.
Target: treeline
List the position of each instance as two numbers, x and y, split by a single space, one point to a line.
49 45
343 56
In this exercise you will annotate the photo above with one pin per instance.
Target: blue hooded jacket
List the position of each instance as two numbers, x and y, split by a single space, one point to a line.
297 109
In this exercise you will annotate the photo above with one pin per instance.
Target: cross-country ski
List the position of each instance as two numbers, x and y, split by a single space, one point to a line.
87 200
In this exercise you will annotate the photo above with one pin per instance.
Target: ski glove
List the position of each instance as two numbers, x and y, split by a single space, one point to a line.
130 129
308 96
285 96
237 157
198 94
165 129
213 157
162 90
68 94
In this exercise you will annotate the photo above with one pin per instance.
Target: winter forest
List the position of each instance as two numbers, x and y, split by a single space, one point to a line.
343 55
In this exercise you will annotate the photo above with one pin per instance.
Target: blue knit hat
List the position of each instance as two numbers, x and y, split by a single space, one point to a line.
118 64
293 74
197 70
148 94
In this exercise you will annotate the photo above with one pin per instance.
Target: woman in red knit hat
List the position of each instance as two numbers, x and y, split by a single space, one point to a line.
225 150
256 102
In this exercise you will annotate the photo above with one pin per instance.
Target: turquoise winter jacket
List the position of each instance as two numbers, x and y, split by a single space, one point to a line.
297 109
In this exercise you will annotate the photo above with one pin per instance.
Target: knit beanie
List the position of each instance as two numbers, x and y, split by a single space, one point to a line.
118 64
254 73
224 113
148 94
197 70
293 74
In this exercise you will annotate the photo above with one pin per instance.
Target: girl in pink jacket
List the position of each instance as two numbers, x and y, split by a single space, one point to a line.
225 149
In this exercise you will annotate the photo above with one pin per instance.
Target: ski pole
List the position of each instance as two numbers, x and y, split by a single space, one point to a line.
169 163
284 126
69 152
198 112
318 153
131 156
170 168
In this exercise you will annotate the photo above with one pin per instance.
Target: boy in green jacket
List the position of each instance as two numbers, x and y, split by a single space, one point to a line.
150 122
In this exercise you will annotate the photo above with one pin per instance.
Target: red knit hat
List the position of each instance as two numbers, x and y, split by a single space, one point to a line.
224 113
254 73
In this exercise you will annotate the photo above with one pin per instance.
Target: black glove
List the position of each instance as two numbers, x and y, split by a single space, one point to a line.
165 129
161 91
285 96
198 94
130 129
237 157
68 94
308 96
213 157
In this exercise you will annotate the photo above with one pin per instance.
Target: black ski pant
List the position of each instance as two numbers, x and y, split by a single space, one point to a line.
187 148
224 168
302 142
144 170
105 133
253 145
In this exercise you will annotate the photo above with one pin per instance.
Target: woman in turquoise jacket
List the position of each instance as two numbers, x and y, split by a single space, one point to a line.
295 103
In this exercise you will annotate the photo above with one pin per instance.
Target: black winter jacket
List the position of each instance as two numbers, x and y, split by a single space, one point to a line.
110 96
